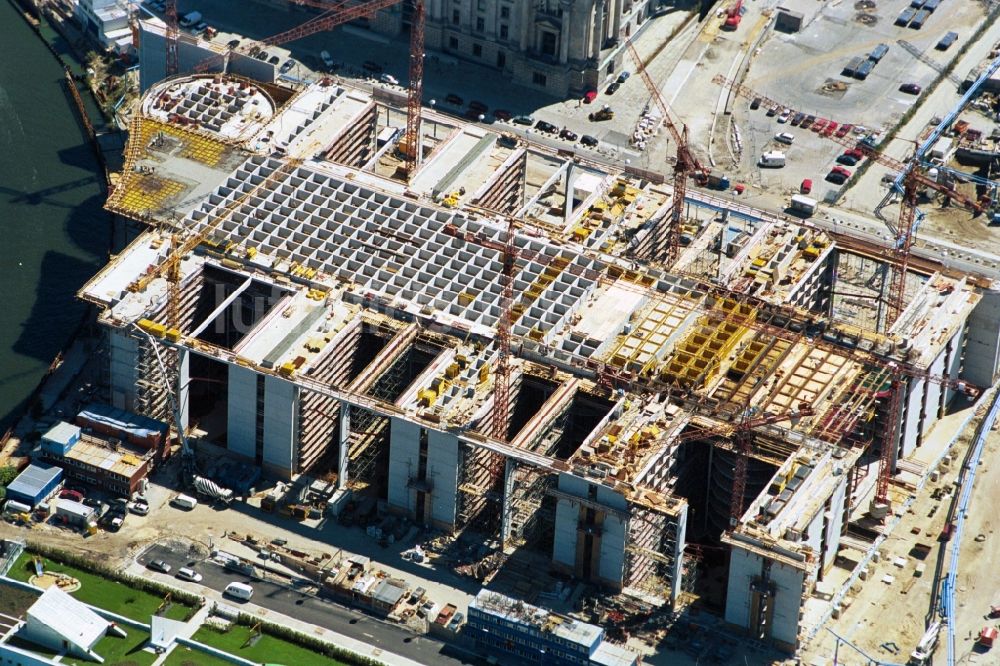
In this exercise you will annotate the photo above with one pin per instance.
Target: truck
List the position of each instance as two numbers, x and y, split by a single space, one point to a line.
212 490
803 204
922 654
184 502
190 19
773 159
864 69
717 182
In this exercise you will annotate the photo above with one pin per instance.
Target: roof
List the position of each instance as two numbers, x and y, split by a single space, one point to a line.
62 433
70 618
141 426
561 626
389 591
34 479
609 654
123 460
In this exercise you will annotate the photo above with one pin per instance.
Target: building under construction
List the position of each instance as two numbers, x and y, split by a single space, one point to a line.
475 344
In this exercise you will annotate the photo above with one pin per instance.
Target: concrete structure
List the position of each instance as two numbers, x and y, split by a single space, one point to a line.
35 484
338 322
538 636
108 22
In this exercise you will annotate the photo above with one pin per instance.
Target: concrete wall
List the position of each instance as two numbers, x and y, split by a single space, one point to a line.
982 345
404 457
746 567
241 435
42 634
564 543
13 656
281 407
123 359
442 470
835 521
612 565
911 427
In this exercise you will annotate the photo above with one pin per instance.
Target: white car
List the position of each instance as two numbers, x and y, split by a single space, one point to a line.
184 573
327 59
784 137
785 115
389 79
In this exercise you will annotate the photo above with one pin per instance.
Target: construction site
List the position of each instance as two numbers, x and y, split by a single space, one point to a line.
618 378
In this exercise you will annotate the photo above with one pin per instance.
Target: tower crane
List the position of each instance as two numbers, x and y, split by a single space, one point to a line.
686 164
173 33
913 182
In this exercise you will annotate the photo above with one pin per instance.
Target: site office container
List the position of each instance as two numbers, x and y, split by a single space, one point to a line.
905 16
918 21
864 70
878 53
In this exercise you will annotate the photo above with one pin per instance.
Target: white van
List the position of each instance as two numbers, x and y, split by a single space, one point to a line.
184 502
239 591
772 159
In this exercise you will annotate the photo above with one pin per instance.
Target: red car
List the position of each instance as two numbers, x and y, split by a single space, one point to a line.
70 494
841 170
589 96
830 129
843 130
806 186
819 124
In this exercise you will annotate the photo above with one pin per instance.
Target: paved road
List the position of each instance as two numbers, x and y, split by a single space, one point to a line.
307 608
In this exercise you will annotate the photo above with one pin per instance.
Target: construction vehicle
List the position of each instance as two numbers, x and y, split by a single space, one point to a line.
733 16
605 113
922 654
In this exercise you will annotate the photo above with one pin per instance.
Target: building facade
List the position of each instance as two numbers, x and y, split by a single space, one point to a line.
560 47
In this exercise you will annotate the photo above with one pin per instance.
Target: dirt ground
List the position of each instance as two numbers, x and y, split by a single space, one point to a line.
887 616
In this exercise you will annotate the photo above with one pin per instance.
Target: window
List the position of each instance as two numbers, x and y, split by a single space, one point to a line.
477 50
505 12
456 17
549 43
453 43
538 79
480 24
501 60
503 31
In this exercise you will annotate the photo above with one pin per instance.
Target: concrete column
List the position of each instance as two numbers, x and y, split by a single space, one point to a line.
570 179
598 28
526 25
281 418
183 388
344 434
616 17
565 31
241 428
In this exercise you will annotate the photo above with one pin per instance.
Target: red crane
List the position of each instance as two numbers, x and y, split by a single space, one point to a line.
913 182
686 164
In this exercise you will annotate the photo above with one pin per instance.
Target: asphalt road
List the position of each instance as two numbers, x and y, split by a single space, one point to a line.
307 608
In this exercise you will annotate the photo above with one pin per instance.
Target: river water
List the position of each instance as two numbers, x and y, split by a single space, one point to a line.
53 232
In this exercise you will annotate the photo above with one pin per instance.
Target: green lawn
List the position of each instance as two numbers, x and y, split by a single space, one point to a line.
103 593
267 649
116 651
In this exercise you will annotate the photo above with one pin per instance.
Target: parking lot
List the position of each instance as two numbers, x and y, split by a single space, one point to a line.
805 73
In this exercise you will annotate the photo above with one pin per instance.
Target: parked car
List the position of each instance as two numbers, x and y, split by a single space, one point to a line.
589 141
389 79
612 88
184 573
843 130
273 60
70 494
454 99
773 111
623 77
819 125
502 114
567 134
755 104
836 177
327 59
233 43
523 120
139 507
589 96
797 120
371 66
261 55
200 27
910 89
807 121
478 106
543 126
849 160
287 65
784 137
159 565
841 170
806 186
